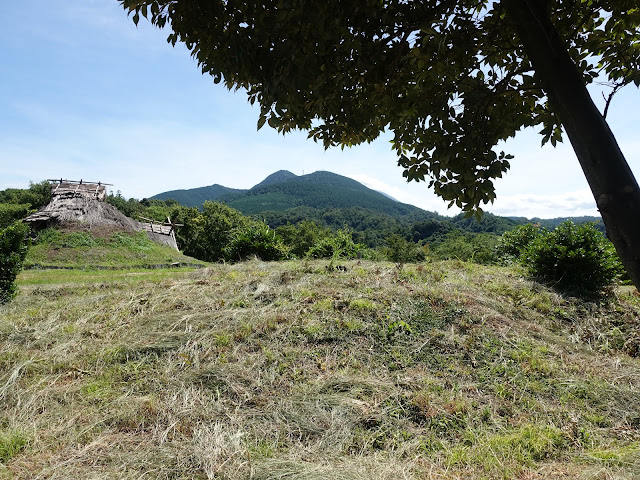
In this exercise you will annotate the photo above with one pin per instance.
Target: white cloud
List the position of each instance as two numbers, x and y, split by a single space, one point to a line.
574 204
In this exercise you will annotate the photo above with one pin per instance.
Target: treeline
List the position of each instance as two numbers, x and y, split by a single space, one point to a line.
17 203
372 228
219 232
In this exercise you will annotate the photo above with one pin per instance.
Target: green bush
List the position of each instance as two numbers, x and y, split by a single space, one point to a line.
221 233
13 250
11 213
513 243
340 245
400 250
207 234
301 237
256 239
573 258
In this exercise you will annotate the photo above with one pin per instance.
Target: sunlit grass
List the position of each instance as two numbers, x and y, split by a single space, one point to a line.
59 277
287 370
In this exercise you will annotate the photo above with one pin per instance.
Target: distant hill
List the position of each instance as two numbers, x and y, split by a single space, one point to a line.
284 190
318 190
195 197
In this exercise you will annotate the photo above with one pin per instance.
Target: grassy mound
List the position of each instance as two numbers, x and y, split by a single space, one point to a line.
100 248
295 370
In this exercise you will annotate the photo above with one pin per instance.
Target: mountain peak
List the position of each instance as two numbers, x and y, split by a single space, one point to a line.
277 177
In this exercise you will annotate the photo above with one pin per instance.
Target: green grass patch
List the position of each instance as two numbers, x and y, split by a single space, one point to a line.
507 455
92 276
12 442
82 250
616 456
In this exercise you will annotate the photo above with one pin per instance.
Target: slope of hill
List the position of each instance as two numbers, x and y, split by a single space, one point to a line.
317 190
283 190
277 177
74 247
293 370
195 197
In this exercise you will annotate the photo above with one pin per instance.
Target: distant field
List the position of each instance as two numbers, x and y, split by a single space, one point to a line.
296 370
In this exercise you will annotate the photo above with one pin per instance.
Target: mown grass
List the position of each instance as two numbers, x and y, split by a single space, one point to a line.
287 370
92 276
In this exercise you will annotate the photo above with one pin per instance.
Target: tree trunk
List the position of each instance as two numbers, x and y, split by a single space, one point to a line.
612 183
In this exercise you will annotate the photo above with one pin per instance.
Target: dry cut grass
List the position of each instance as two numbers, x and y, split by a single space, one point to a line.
295 371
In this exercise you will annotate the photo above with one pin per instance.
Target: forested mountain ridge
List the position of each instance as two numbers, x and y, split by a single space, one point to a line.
195 197
318 190
283 190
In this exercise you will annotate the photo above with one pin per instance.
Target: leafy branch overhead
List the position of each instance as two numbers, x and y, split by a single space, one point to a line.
448 78
451 79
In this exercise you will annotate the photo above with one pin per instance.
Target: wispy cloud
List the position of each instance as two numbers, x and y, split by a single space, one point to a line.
570 204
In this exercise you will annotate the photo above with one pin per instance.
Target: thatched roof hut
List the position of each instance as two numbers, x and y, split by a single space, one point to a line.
80 202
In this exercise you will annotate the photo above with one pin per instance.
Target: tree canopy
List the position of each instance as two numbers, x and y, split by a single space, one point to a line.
450 79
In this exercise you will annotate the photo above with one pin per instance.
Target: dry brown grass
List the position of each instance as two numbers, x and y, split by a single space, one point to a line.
283 370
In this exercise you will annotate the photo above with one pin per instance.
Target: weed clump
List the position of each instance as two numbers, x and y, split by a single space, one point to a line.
12 442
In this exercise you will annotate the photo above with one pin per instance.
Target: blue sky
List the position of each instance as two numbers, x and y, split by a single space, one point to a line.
86 94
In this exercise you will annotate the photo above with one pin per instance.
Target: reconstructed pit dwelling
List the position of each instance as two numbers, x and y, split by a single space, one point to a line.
81 203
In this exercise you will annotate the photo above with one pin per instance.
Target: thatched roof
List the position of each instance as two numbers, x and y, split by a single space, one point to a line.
70 208
83 203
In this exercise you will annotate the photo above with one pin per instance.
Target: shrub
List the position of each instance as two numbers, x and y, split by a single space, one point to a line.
301 237
11 213
207 234
400 250
13 250
340 245
513 243
573 258
256 239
